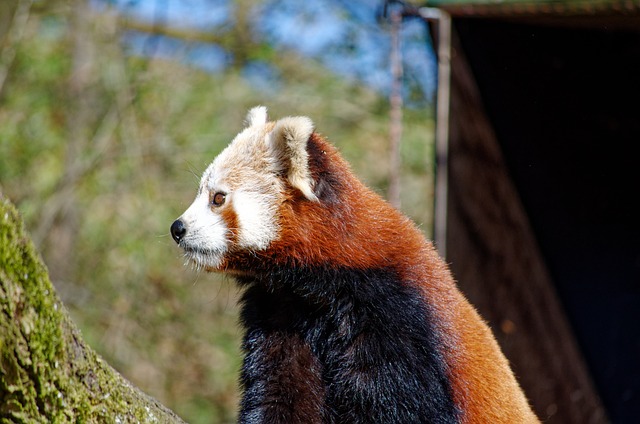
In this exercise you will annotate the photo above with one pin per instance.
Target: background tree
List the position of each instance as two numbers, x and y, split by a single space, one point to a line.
102 146
47 373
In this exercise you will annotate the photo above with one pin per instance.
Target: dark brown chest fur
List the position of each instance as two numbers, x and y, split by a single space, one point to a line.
340 346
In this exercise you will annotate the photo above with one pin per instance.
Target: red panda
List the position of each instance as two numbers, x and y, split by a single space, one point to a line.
349 314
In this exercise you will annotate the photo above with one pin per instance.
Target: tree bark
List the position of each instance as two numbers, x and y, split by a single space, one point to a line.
47 372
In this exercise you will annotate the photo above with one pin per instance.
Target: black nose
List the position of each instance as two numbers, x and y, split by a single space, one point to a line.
178 230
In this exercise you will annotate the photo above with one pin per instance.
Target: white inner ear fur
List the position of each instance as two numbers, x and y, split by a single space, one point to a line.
256 116
288 144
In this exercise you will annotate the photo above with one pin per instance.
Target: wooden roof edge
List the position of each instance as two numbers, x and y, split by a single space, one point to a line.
488 8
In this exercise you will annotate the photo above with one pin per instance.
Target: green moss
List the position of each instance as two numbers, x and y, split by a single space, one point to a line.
47 373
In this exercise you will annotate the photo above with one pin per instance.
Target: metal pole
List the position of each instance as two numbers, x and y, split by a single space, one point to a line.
443 20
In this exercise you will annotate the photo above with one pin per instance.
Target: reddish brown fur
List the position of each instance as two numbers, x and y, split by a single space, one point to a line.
231 220
298 364
337 233
359 229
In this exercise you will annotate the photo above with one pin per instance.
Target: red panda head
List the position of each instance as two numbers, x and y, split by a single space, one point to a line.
280 194
237 206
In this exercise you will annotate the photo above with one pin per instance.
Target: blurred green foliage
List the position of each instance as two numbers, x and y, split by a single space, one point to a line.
101 151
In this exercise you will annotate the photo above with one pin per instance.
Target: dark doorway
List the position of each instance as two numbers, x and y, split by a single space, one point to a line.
564 102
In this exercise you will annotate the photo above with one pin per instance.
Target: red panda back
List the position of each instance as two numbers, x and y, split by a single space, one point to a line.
350 315
353 227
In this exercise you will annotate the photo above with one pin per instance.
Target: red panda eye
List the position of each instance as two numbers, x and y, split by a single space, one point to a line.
218 199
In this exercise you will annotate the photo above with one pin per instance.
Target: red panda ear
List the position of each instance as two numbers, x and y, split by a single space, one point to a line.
256 116
288 144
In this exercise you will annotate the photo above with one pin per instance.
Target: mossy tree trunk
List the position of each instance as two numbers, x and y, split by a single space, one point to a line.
47 373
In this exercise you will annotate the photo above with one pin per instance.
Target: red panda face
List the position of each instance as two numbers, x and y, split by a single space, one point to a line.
237 205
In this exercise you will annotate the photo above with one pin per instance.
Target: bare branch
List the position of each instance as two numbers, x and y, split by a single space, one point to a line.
14 36
395 98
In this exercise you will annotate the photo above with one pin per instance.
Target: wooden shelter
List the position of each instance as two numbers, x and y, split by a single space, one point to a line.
540 169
